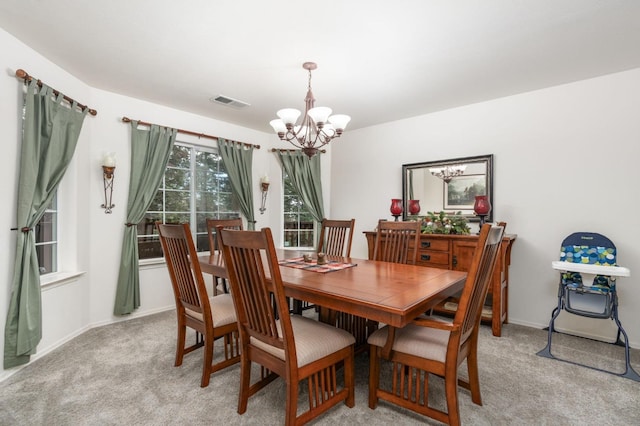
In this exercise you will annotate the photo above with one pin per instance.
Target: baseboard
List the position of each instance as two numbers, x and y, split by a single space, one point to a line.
116 319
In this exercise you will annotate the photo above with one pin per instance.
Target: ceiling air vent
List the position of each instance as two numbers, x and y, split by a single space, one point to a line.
230 102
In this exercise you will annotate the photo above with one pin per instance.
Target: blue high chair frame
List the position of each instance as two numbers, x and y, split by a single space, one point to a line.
587 287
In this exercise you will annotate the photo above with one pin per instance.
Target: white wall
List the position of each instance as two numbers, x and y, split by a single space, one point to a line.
565 160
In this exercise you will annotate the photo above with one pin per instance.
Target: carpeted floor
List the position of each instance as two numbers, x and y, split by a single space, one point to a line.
123 374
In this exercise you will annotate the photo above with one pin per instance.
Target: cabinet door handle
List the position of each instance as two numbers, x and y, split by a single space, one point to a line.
454 261
426 244
425 257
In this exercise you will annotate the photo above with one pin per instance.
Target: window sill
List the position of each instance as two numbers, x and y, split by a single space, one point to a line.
57 279
157 262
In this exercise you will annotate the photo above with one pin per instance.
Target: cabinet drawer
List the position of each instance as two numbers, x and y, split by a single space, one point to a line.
439 245
439 259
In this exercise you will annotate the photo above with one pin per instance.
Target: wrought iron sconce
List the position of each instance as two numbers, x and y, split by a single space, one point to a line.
264 187
108 168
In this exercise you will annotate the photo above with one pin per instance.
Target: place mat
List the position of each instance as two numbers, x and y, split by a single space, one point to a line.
331 265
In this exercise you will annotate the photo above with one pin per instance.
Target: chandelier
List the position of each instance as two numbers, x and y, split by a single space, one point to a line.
447 173
318 126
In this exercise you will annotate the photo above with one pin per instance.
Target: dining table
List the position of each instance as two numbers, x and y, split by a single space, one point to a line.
389 293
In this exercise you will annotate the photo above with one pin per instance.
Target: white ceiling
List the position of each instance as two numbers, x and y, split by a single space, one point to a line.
378 60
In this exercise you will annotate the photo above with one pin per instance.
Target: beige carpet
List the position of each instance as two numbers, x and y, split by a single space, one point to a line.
123 374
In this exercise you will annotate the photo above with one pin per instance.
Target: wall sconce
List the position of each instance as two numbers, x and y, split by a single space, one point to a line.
108 167
264 187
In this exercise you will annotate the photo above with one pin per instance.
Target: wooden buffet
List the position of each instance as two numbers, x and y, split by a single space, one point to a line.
455 252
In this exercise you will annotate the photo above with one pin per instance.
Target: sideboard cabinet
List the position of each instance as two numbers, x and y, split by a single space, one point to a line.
456 252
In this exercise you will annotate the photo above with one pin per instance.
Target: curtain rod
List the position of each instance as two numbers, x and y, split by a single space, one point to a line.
20 73
291 150
188 132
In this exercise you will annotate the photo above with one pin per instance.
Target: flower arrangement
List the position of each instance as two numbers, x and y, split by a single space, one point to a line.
445 223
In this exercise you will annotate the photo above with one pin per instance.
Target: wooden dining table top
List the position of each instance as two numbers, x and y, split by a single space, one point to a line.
390 293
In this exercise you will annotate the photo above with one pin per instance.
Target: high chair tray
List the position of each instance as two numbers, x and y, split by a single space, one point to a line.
617 271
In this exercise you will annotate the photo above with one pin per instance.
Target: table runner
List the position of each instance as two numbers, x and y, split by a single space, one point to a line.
331 265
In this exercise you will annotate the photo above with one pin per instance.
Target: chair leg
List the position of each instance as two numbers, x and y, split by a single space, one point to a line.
208 360
374 376
451 390
291 405
349 380
181 337
245 377
474 379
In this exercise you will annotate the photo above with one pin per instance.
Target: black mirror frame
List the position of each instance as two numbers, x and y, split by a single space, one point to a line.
465 160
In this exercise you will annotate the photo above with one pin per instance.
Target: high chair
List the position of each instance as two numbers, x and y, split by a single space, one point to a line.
588 273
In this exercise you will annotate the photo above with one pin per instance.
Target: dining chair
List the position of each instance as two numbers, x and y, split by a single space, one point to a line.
432 346
336 237
397 242
290 346
212 318
335 240
214 245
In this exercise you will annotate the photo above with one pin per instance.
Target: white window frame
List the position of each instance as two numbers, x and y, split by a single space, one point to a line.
193 213
54 261
299 230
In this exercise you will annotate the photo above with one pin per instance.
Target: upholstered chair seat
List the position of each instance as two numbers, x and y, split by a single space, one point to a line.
429 343
222 310
313 340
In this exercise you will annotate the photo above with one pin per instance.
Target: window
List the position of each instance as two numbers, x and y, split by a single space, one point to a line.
299 225
195 187
47 239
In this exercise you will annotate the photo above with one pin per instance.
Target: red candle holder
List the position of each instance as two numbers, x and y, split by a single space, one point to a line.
414 207
482 207
396 208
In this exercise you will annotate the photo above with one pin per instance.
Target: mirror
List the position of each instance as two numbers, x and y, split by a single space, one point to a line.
449 185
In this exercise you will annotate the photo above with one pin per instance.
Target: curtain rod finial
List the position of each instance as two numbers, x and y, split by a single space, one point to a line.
20 73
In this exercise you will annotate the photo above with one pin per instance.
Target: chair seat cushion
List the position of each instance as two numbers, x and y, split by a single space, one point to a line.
423 342
313 340
222 310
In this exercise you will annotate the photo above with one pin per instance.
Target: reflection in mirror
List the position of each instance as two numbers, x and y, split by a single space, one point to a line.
448 185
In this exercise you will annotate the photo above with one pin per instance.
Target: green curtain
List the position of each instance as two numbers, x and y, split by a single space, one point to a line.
150 151
49 138
305 176
237 158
